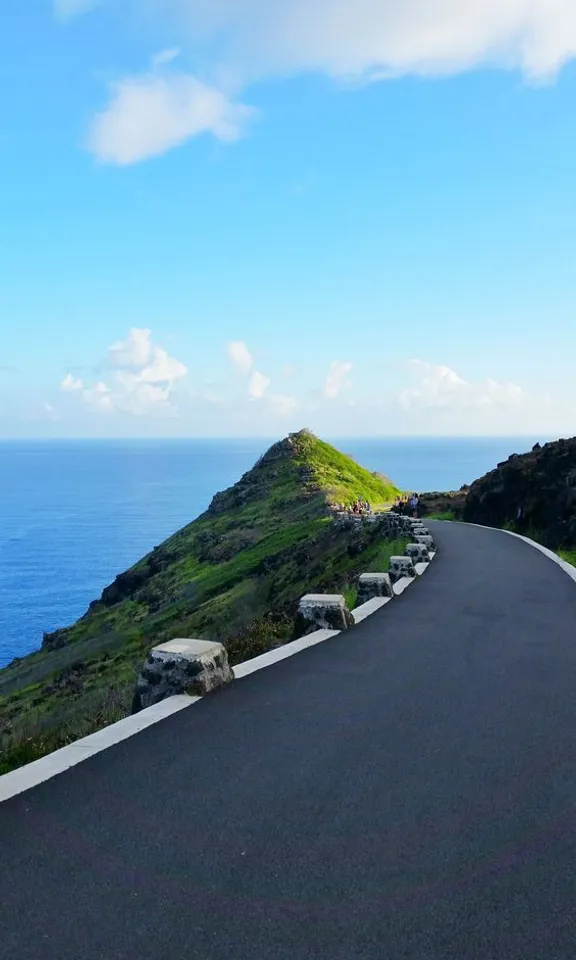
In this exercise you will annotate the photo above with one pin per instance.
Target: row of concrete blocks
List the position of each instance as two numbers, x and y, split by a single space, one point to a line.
197 667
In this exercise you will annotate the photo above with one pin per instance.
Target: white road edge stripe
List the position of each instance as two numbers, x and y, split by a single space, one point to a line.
566 567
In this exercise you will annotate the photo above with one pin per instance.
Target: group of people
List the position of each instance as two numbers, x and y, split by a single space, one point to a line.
407 505
357 507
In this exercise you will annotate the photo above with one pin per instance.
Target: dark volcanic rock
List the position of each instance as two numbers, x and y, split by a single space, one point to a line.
533 493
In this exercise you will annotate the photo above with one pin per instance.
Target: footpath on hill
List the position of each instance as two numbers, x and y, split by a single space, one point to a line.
406 789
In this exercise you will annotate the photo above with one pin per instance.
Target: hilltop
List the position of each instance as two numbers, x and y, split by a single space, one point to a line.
235 574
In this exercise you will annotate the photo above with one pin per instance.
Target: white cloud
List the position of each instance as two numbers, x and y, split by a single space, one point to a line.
258 385
99 398
383 38
439 387
71 383
336 380
141 380
134 351
150 113
240 356
371 39
162 368
166 56
289 371
283 405
244 41
66 9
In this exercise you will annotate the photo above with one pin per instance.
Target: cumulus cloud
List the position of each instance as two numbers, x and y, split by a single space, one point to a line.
258 385
438 386
134 351
71 383
99 397
150 113
336 380
141 378
240 356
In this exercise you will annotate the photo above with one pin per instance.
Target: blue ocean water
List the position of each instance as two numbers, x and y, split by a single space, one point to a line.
74 514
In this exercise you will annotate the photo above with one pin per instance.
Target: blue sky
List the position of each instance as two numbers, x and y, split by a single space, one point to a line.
239 218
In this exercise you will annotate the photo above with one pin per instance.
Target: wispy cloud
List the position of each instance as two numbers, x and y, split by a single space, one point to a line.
66 9
240 356
258 385
362 42
439 386
70 384
336 380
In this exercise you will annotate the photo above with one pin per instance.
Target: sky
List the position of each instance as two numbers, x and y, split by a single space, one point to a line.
242 217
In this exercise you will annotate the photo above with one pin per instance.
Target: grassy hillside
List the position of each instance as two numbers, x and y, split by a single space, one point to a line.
235 574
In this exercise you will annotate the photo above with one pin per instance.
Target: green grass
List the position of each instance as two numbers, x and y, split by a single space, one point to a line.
441 515
568 555
350 594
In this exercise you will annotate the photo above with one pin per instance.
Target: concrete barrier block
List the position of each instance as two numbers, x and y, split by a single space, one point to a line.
400 568
418 552
426 539
193 667
322 611
374 585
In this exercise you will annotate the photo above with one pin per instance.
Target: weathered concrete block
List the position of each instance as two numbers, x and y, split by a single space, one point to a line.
374 585
426 539
400 567
322 611
194 667
418 552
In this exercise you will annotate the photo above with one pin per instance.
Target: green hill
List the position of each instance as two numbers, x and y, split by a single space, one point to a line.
235 574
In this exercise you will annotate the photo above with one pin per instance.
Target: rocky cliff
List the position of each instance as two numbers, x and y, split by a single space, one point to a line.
532 493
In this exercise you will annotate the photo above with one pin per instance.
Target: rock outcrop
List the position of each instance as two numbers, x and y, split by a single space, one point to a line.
532 493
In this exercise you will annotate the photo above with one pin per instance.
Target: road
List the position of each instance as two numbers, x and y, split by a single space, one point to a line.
405 790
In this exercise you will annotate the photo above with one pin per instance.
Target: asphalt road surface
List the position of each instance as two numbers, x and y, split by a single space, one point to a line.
406 790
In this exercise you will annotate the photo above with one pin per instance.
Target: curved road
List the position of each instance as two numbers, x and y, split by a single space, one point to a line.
404 791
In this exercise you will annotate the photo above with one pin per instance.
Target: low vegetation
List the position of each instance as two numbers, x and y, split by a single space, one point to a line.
234 575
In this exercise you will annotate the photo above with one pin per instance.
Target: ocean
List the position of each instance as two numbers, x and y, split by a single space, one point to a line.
74 514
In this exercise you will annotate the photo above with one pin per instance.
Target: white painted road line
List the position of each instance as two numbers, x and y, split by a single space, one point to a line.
288 650
54 763
371 606
401 585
